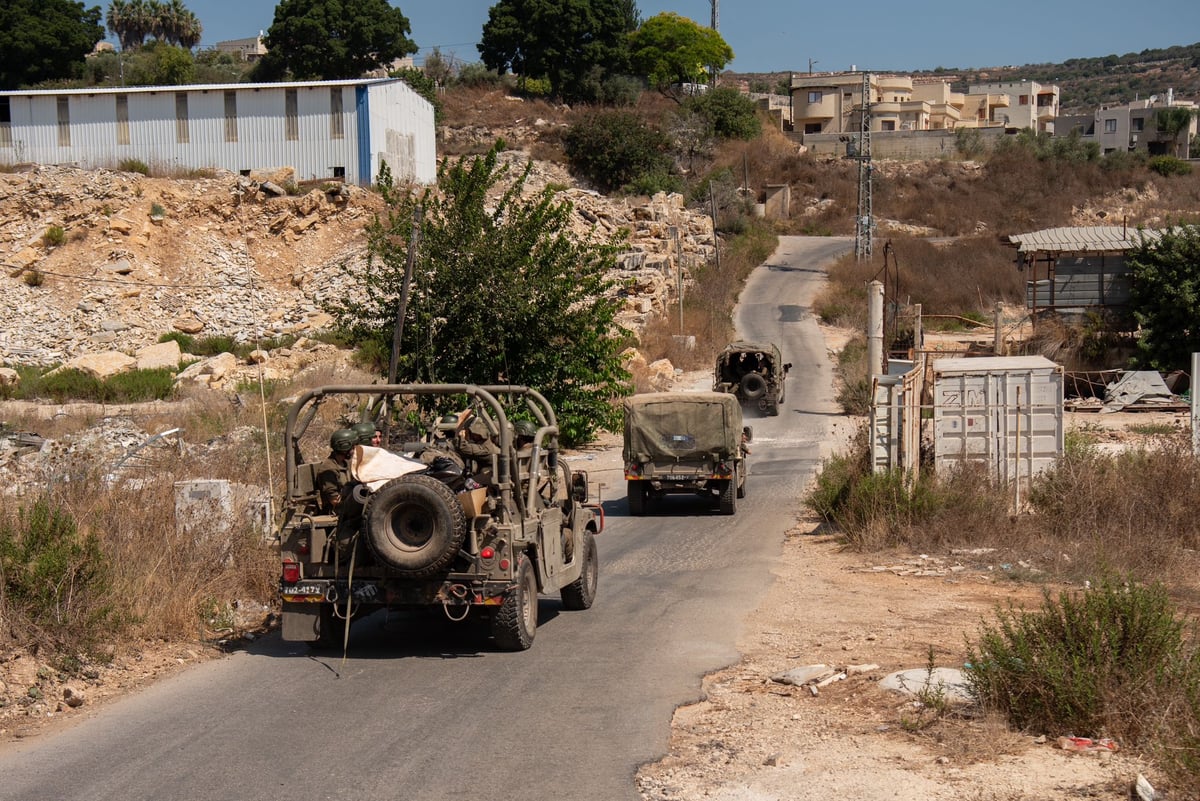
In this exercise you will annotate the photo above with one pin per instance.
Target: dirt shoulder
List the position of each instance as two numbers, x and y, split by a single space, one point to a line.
753 738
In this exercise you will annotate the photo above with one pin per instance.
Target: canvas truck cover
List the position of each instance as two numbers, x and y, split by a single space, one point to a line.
682 425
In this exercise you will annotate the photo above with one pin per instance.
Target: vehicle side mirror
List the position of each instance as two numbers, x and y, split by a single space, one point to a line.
787 366
747 433
579 487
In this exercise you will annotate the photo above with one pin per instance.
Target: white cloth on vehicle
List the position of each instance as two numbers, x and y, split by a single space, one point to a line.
375 467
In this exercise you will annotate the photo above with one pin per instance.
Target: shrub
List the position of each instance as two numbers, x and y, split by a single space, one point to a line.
479 76
157 211
33 277
54 236
1091 663
133 165
729 113
1167 166
615 148
53 578
131 387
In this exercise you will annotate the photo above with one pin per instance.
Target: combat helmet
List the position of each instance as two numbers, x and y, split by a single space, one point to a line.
343 440
365 431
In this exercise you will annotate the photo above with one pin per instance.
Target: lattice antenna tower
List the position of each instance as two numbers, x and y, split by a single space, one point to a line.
864 224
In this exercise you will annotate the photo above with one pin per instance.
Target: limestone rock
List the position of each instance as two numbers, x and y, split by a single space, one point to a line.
163 355
188 325
9 377
661 375
102 365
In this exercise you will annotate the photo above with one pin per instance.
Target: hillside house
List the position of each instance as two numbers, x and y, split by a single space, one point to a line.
335 130
1135 127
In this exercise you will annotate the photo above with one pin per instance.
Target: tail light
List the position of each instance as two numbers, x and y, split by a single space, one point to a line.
488 552
291 572
633 470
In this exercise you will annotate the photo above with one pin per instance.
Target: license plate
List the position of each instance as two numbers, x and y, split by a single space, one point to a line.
304 589
679 478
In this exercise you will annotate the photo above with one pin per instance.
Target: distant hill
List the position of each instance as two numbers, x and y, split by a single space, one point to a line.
1086 83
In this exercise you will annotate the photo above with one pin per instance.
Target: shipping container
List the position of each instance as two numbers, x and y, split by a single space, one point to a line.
1003 412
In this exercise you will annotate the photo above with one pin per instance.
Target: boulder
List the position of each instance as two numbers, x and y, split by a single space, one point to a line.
9 377
660 375
188 325
162 355
102 365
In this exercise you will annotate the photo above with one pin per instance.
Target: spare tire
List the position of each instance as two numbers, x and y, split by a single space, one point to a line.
754 386
415 524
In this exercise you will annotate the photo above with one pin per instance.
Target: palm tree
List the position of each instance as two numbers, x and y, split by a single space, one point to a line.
181 26
130 21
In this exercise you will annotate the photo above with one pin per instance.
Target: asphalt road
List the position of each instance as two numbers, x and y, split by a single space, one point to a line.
420 711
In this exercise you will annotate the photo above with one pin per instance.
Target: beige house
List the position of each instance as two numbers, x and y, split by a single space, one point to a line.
1030 104
1134 126
251 49
831 104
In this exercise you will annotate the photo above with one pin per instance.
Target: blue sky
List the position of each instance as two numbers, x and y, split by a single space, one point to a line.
782 35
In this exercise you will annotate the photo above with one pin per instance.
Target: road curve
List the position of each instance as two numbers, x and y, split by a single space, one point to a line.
429 711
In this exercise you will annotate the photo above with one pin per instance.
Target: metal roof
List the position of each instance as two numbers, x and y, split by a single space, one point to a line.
195 87
991 364
1086 239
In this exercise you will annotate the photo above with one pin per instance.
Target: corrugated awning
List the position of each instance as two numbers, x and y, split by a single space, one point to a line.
1086 239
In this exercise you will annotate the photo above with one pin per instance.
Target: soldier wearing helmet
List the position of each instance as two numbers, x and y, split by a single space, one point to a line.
367 433
333 474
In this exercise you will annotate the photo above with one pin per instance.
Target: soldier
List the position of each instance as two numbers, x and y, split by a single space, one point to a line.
333 474
368 434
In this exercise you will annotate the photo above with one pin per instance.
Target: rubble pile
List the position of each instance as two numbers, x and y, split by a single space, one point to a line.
98 261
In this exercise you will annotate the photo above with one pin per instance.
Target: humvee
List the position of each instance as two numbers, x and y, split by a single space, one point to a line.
691 442
433 537
754 372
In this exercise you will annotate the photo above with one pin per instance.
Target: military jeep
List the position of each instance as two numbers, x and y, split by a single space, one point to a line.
415 529
754 372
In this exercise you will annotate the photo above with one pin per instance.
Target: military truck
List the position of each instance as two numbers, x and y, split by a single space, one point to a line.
432 537
685 442
754 372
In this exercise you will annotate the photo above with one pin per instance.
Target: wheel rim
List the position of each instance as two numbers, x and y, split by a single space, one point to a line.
412 526
529 603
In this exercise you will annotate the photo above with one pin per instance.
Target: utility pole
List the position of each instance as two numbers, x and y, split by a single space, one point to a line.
812 61
864 224
716 18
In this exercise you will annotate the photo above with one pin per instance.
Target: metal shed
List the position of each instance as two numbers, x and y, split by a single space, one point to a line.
338 130
1081 267
1005 412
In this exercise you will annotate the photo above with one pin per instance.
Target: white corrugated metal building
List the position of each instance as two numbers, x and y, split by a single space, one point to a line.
323 129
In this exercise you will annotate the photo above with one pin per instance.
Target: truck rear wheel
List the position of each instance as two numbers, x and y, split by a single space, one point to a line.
515 623
728 502
635 492
581 592
416 525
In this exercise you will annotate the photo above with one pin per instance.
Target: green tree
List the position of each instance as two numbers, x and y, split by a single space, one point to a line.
728 112
1174 121
576 44
670 49
334 39
42 40
1165 296
502 292
615 148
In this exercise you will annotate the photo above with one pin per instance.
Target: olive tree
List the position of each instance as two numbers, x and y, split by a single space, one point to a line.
502 292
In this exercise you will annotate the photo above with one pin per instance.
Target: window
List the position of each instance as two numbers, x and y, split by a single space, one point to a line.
231 126
5 122
122 101
887 125
291 115
812 127
64 122
339 173
1138 123
1110 126
182 133
336 130
1023 100
814 97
